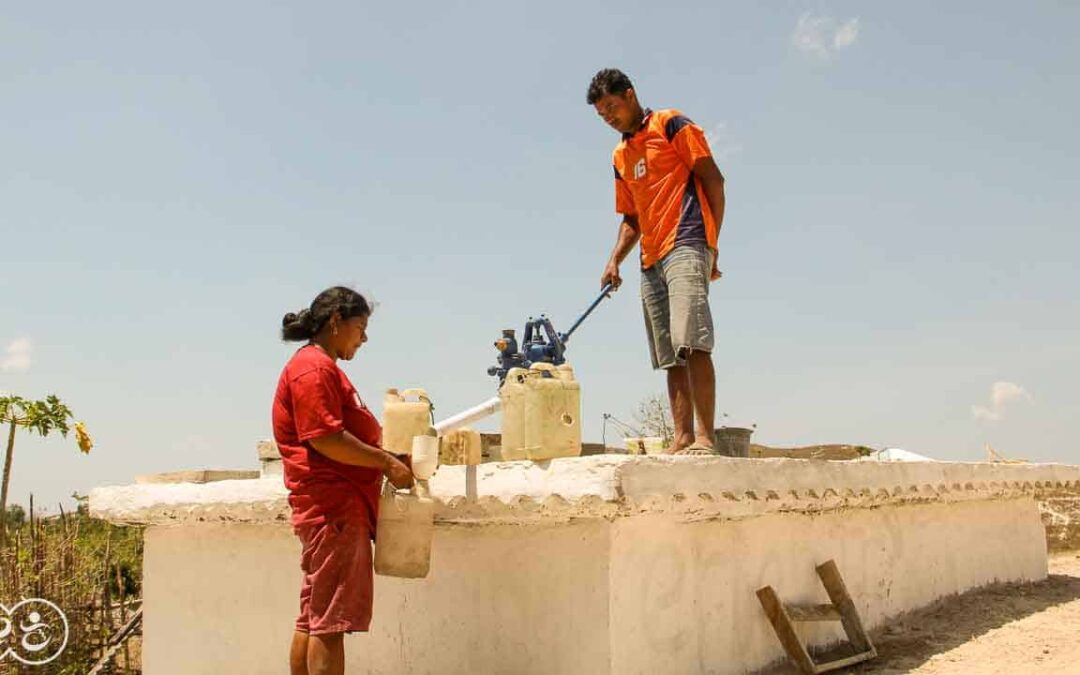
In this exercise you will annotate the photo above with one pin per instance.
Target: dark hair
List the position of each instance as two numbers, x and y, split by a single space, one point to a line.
306 325
608 81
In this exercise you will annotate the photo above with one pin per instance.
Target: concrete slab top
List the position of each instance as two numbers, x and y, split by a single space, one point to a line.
613 486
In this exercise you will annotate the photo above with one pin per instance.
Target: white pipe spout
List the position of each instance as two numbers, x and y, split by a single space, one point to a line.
466 417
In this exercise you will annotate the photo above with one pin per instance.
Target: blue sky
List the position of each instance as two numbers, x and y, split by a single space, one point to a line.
899 249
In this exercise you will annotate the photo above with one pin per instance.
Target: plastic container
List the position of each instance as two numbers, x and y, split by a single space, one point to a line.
552 412
512 396
460 446
732 441
403 534
425 454
404 418
644 445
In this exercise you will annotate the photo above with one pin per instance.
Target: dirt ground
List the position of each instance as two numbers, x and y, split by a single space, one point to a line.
1019 628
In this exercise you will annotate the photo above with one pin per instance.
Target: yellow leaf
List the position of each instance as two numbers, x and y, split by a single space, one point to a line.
83 438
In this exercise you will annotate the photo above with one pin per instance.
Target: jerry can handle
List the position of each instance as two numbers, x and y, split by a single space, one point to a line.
390 491
543 369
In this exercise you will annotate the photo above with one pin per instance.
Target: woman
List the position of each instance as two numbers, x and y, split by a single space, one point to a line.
329 442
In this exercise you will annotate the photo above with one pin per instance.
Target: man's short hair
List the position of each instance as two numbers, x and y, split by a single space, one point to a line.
608 81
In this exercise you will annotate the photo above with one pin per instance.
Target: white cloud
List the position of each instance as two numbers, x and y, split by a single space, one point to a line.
846 34
722 142
17 356
1001 395
821 35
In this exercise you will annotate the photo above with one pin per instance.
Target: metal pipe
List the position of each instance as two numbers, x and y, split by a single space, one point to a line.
465 417
604 293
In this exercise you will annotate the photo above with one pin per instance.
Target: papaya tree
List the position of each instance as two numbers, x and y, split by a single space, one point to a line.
43 417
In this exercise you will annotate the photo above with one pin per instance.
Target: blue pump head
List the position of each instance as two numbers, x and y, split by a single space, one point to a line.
540 343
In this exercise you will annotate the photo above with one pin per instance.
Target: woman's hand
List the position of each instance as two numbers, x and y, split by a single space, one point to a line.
398 473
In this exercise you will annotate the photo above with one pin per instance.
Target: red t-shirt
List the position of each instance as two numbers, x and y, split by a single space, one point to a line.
315 398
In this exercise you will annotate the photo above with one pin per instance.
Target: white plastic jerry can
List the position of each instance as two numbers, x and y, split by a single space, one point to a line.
552 412
512 400
404 418
460 446
403 533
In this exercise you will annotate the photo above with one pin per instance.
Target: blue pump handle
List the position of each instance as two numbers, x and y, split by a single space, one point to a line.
604 293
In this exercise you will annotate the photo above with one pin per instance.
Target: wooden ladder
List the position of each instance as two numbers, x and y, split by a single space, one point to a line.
116 642
842 609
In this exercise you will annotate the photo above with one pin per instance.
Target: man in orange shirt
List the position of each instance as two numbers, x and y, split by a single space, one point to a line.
670 195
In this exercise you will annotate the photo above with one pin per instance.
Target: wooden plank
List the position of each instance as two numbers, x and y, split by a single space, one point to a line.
847 661
812 612
849 616
781 623
116 642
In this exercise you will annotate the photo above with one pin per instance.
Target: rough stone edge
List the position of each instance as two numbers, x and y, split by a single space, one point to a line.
607 487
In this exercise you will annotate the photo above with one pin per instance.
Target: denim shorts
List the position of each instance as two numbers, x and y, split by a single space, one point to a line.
675 298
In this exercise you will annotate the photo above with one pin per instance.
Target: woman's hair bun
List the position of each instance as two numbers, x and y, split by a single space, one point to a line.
337 300
296 327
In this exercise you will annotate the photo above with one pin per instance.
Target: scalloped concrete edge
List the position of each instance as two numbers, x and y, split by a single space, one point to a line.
614 486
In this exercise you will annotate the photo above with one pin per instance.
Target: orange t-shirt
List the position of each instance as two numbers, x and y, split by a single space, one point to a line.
654 181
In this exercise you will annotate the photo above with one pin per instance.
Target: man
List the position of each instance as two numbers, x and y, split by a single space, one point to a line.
670 194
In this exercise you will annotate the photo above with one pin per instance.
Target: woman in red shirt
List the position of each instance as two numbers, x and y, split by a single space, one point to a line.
330 444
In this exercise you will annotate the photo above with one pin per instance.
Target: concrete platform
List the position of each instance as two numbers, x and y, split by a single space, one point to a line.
604 564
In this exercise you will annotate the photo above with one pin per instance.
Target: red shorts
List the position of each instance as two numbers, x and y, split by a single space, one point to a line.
337 590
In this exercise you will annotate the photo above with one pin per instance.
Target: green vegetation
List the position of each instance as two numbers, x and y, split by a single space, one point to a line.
90 569
42 417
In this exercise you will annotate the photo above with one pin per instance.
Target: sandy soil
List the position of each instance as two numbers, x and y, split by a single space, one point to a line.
1022 628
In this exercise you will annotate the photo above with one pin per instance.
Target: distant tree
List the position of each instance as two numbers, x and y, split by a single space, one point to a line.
654 417
43 417
15 516
82 503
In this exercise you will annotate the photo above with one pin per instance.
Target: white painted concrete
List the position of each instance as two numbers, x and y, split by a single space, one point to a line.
683 597
591 565
619 485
